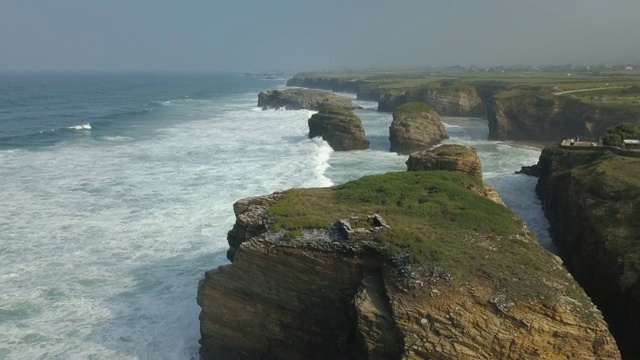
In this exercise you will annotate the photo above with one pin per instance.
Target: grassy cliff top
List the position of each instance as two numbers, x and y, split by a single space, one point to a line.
413 107
336 110
440 222
612 84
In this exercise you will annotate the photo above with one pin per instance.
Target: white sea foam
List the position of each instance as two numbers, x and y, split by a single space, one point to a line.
85 126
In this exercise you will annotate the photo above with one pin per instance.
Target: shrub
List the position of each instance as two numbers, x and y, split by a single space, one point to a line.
614 135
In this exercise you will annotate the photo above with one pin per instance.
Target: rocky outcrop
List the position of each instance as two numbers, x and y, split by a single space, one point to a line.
592 201
415 127
296 99
532 170
468 282
447 157
446 101
522 115
363 89
342 129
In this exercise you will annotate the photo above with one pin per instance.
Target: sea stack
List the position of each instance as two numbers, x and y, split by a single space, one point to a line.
415 127
339 127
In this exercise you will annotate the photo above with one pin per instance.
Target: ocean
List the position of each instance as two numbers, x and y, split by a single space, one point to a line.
116 195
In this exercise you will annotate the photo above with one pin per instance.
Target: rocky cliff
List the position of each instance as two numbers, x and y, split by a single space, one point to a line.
295 99
412 265
415 127
341 128
449 157
363 89
592 201
522 115
446 101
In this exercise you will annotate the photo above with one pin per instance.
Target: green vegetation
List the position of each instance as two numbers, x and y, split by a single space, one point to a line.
615 135
330 109
619 87
437 219
413 107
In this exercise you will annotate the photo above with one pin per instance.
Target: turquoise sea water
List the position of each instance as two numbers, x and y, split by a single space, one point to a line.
116 194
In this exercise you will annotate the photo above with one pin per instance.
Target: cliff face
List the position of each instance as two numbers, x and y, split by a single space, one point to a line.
305 284
415 128
363 89
526 116
445 101
592 201
341 128
296 99
447 157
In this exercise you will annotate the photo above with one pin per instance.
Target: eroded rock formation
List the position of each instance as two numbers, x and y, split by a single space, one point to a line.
415 127
447 157
592 201
296 99
342 129
466 288
446 101
521 115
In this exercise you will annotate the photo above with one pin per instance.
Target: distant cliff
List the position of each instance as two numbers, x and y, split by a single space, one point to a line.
413 265
295 99
522 115
592 201
446 101
363 89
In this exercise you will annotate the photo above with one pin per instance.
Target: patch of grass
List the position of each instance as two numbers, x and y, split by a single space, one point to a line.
438 220
330 109
413 107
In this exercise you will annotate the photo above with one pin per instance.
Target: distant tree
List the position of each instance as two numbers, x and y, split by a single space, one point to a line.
614 135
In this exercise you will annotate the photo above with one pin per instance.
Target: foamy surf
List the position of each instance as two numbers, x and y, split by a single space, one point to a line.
85 126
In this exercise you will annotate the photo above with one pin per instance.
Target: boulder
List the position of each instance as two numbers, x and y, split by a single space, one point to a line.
341 128
447 157
415 127
296 99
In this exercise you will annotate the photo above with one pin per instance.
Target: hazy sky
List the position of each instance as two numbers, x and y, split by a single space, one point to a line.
256 35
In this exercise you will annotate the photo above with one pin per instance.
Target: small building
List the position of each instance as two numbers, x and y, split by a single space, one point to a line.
630 144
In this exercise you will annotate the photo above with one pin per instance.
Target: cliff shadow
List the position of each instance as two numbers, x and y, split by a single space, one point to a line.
379 142
156 317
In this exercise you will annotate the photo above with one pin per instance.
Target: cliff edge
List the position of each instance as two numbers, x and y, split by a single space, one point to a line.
592 201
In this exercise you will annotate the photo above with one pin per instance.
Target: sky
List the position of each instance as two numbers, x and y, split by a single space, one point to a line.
296 35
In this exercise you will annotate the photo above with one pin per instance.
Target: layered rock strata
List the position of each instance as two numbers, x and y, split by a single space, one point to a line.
449 157
296 99
592 201
415 127
342 129
521 115
423 277
446 101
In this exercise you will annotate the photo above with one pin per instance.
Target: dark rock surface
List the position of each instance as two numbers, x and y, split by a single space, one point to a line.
415 128
296 99
341 128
